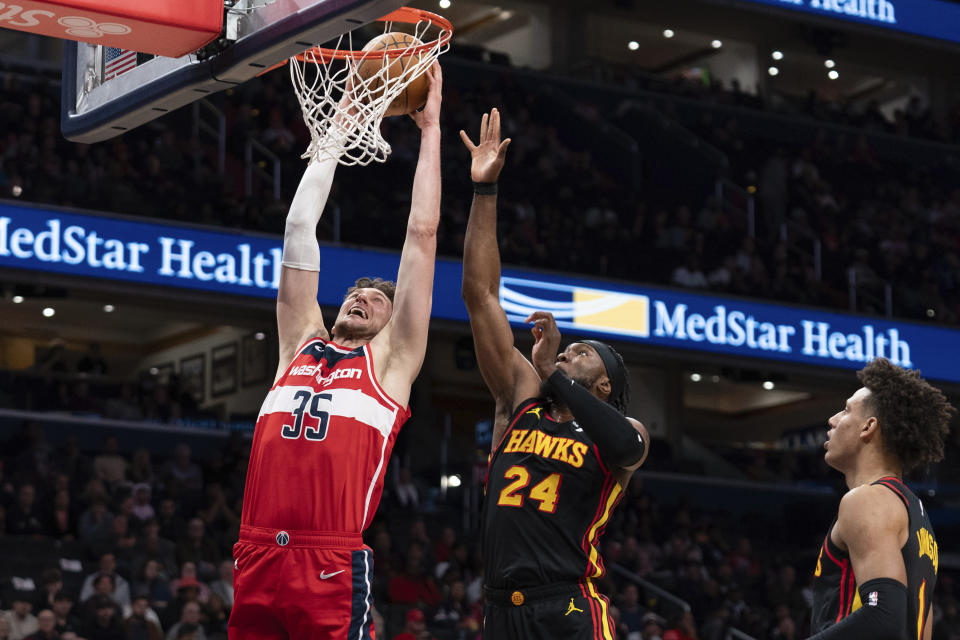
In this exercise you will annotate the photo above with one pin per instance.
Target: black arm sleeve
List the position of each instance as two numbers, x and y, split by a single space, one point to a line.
881 617
619 443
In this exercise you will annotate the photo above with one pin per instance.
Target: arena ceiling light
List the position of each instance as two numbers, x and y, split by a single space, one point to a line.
109 308
834 74
829 63
259 336
716 44
773 71
696 377
17 299
768 385
633 45
48 312
668 33
777 55
444 4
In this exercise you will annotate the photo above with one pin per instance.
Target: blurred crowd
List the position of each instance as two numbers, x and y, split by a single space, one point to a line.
103 543
567 201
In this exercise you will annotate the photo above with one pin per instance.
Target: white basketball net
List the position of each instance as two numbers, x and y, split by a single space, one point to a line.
348 128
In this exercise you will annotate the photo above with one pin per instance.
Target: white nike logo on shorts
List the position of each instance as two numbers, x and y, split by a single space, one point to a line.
326 576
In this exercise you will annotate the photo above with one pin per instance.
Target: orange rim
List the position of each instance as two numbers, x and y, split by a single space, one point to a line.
407 15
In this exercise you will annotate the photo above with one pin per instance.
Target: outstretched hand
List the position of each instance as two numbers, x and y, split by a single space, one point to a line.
490 154
546 337
430 115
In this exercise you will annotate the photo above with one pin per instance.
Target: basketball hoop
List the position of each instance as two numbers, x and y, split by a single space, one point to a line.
344 109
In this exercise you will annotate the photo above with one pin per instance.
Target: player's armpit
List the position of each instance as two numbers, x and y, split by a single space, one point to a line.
872 526
883 615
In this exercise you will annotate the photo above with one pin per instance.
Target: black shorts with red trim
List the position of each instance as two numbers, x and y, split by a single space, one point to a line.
564 611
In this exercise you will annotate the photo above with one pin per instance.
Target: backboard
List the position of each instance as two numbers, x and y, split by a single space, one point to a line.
98 105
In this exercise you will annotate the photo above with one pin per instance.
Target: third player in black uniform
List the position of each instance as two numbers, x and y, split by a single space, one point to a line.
877 567
563 449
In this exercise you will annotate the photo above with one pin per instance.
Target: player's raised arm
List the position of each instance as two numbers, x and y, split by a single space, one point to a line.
407 329
873 525
508 375
298 313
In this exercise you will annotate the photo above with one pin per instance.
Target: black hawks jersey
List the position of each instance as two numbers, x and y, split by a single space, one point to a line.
835 593
548 499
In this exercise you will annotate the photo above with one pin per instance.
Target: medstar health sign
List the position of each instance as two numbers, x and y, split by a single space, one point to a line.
736 327
229 262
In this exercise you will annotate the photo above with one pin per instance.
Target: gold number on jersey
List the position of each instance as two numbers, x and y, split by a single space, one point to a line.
819 570
521 479
544 492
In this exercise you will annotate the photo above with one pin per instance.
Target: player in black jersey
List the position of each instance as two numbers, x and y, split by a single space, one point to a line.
563 449
878 564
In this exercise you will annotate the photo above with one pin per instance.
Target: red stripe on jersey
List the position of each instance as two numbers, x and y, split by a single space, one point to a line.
895 489
843 591
596 452
587 541
826 547
851 591
593 611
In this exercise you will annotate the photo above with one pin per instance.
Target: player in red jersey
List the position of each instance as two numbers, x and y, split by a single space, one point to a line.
327 427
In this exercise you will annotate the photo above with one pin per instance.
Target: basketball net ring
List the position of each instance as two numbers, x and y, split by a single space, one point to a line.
343 110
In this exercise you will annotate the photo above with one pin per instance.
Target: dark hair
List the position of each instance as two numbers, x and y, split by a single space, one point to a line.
387 287
914 416
622 399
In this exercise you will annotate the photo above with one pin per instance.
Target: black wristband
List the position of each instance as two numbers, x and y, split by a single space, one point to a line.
485 188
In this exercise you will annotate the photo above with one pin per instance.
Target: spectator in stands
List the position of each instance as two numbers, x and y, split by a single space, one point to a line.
183 477
689 274
454 613
683 628
151 546
63 612
170 522
216 615
142 495
948 627
199 548
407 494
110 466
46 627
108 567
414 628
137 626
51 582
25 517
413 586
155 585
105 621
96 523
188 589
652 627
223 586
63 516
21 622
190 615
4 628
103 585
631 613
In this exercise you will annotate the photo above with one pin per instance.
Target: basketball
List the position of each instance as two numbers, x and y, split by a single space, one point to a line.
414 95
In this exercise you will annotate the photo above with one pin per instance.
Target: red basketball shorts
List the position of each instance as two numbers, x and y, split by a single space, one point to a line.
292 584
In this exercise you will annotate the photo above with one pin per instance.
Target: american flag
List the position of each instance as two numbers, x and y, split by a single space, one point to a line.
117 61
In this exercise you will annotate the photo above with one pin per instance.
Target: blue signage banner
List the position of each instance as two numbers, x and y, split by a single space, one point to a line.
928 18
246 264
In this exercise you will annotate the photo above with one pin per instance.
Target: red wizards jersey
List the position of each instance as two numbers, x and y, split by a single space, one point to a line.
322 443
